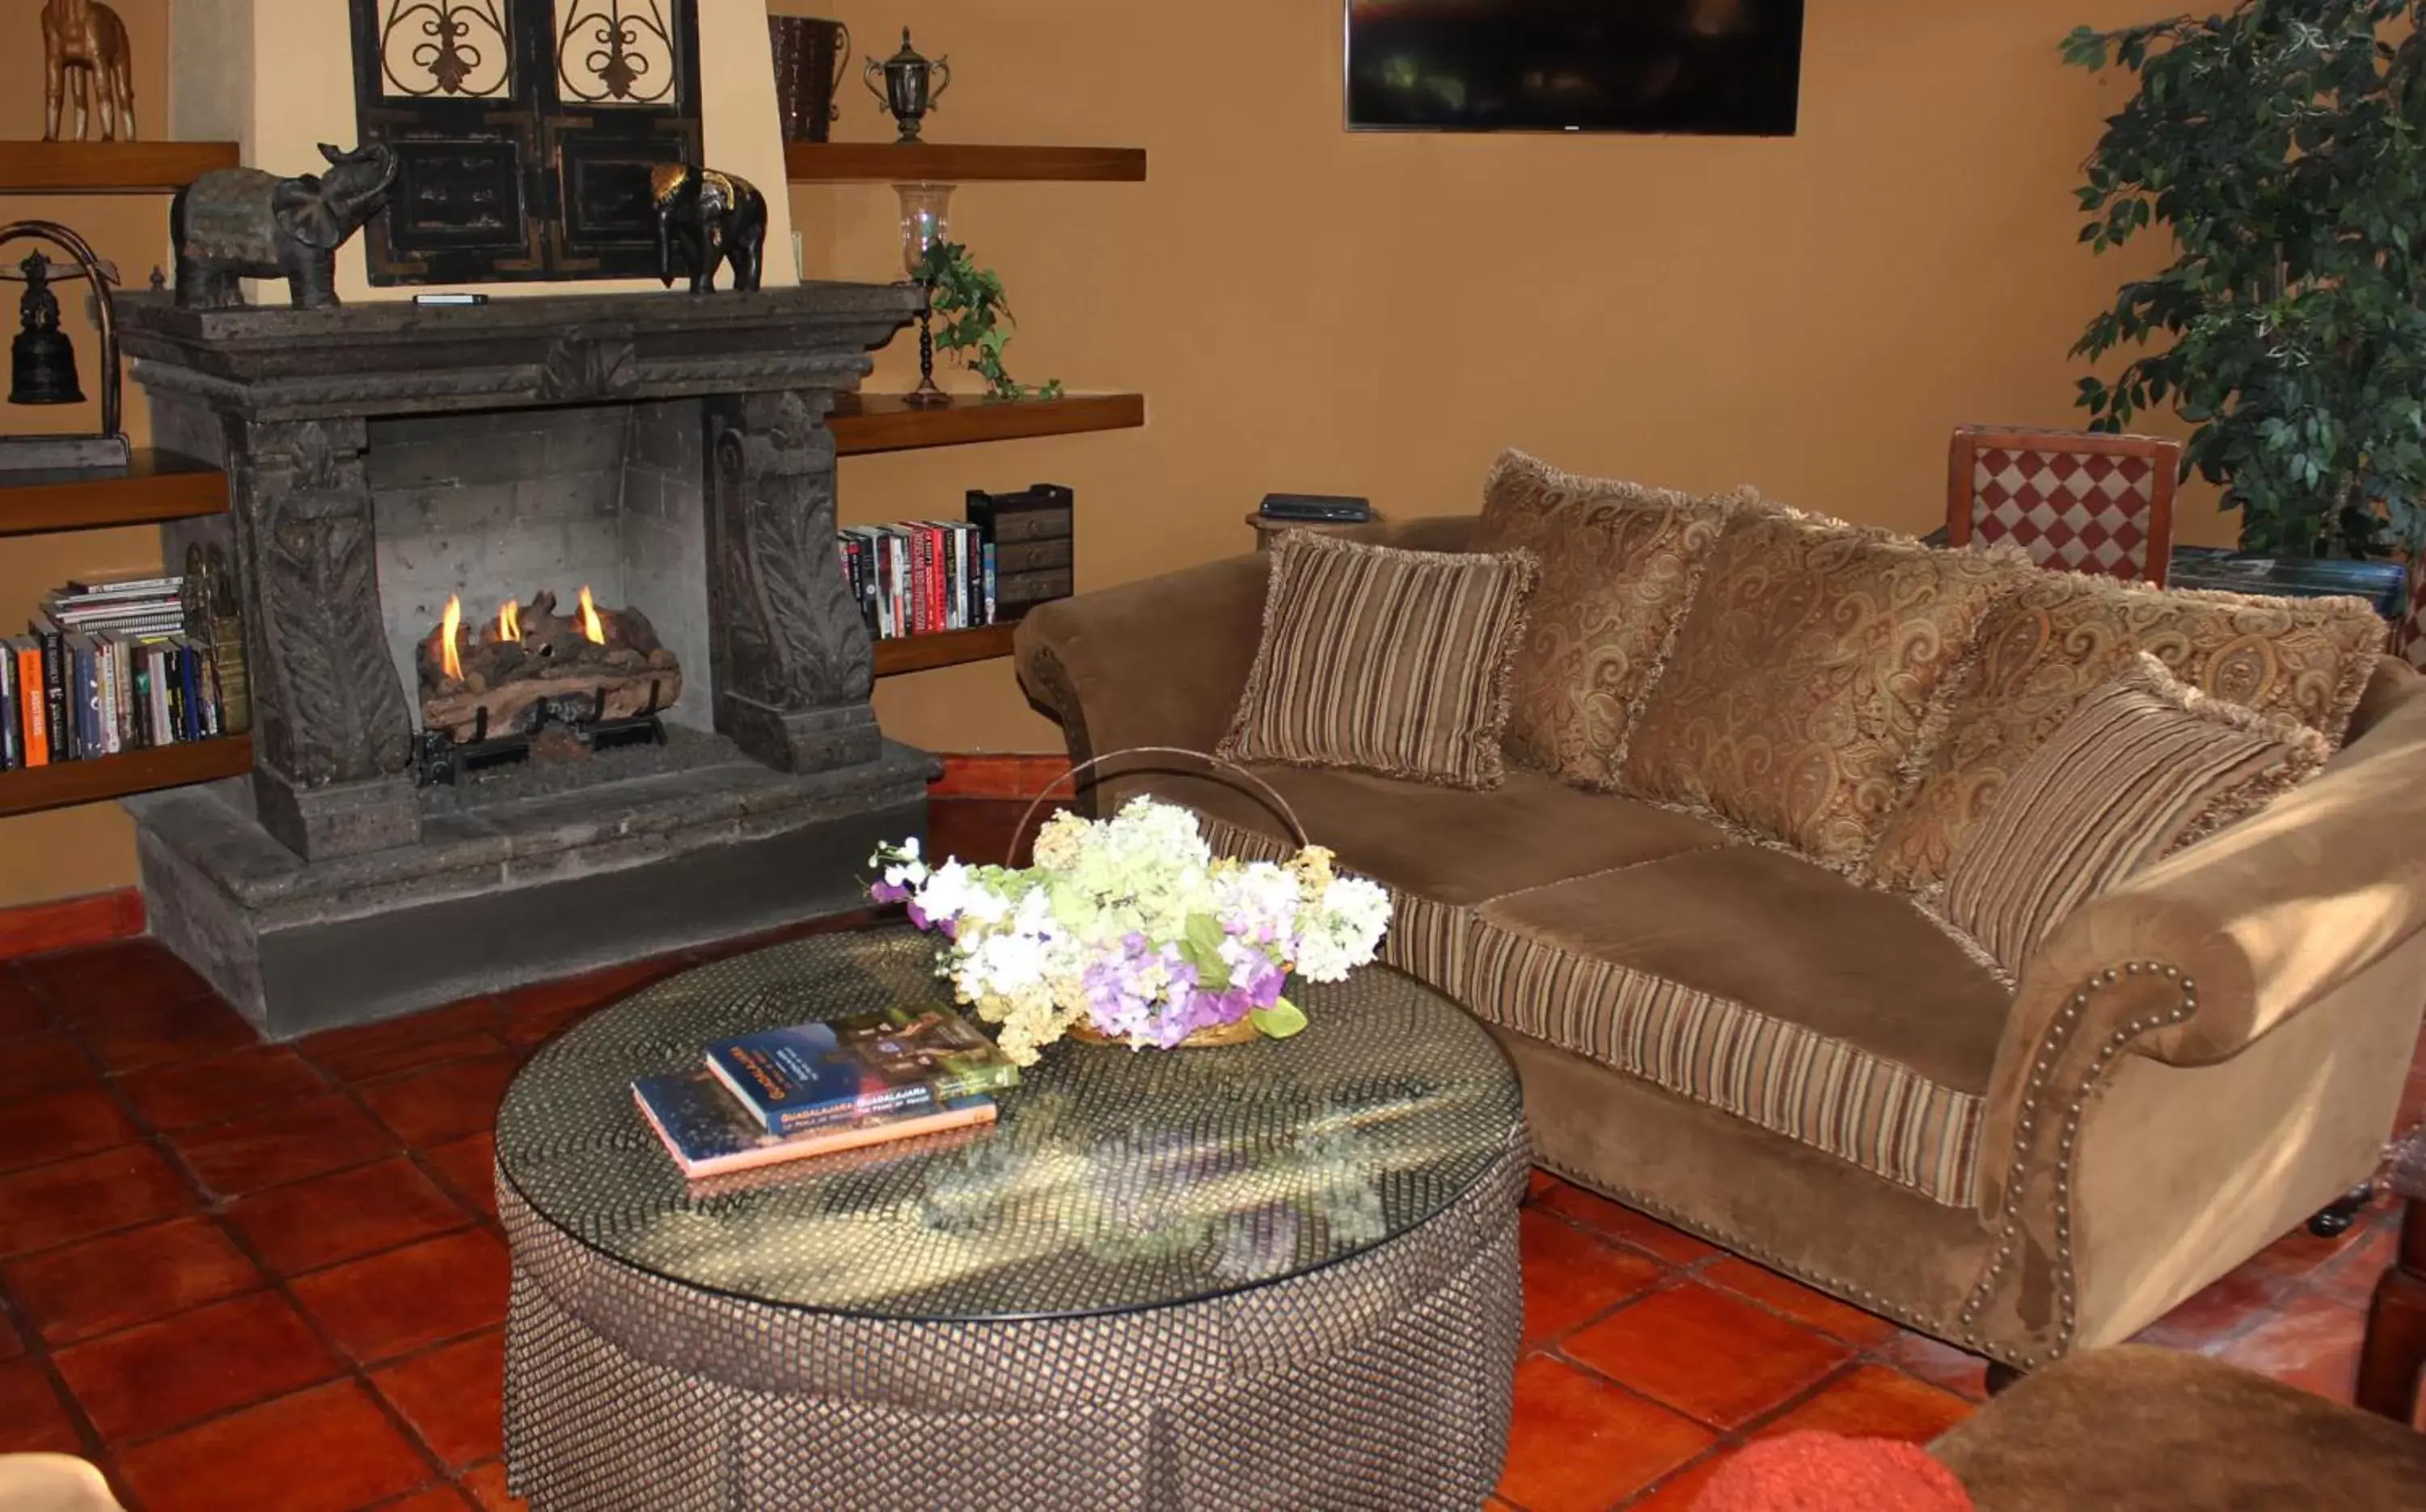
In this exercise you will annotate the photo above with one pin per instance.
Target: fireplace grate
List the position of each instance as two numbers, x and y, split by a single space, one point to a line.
440 759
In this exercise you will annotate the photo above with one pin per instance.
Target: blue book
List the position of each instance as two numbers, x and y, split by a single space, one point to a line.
87 701
839 1071
188 670
707 1133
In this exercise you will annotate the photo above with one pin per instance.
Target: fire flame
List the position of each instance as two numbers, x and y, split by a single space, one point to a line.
510 622
592 629
449 629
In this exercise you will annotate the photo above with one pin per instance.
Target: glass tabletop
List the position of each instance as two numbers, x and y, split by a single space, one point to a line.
1114 1179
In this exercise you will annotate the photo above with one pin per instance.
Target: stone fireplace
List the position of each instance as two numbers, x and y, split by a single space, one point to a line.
668 453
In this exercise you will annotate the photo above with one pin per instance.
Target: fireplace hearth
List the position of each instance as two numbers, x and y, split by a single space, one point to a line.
573 559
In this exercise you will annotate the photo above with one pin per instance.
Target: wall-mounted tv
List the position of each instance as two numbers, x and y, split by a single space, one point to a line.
1692 66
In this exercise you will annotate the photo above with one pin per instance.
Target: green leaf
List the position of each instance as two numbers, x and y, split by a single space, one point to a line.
1282 1020
1203 950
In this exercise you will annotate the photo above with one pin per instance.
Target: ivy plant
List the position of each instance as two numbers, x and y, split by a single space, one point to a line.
2282 145
977 319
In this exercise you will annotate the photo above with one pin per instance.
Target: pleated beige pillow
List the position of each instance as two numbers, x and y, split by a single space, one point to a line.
2142 766
1384 661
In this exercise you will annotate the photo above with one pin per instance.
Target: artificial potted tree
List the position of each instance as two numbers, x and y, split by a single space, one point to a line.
2282 145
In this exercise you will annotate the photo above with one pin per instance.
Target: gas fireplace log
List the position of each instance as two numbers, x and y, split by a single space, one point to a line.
547 645
512 707
550 659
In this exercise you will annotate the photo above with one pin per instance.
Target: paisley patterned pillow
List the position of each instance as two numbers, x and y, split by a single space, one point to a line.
2065 634
1801 686
1619 564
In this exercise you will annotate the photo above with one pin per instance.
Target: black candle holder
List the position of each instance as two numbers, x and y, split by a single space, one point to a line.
927 396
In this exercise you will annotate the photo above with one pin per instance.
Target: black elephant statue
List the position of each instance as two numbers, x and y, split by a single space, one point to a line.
715 217
241 222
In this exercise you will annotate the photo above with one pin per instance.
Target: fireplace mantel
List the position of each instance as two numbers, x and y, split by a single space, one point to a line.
363 360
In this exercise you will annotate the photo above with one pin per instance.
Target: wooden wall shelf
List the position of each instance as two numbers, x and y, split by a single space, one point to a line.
108 167
950 648
958 163
864 423
63 783
156 486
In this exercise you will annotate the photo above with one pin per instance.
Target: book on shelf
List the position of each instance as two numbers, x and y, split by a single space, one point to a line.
917 577
109 665
708 1134
925 577
838 1073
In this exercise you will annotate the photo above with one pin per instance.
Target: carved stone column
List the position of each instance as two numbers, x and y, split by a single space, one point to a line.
791 659
331 738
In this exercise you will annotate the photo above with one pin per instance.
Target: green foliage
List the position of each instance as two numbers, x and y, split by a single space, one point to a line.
1202 949
1282 1020
977 320
2283 143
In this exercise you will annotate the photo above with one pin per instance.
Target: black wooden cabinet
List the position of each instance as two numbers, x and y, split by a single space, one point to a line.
523 131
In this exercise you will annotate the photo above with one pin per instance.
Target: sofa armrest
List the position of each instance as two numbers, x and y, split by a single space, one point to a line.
2206 952
1161 662
2270 914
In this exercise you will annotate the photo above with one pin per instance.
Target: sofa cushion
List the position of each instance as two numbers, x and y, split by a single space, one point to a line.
2142 767
1389 661
1839 1016
1459 848
1876 1032
1802 675
2064 635
1619 565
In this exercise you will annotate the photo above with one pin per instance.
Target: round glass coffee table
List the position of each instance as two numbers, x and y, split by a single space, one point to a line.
1274 1275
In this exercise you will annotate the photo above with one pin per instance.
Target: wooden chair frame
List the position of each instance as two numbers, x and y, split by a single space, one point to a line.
2162 453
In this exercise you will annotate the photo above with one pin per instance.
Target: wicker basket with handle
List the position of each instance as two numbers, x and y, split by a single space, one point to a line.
1239 1031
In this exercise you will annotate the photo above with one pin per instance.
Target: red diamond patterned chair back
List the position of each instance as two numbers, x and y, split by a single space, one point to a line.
2079 500
2409 635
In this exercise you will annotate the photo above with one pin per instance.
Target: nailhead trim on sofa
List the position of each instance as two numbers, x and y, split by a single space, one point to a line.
2051 1046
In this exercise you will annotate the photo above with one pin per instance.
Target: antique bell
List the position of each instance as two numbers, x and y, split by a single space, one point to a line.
41 360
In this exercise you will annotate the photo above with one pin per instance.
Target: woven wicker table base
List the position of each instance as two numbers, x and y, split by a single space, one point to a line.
1380 1382
1279 1275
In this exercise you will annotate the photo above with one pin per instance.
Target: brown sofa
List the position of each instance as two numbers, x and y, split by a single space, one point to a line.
2188 1066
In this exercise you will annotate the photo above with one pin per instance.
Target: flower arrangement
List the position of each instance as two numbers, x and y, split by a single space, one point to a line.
1130 927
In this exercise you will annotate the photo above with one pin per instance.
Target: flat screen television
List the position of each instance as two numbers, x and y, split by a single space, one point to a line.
1691 67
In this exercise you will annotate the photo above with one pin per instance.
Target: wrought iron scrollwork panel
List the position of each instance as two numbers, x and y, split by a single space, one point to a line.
615 53
431 49
525 131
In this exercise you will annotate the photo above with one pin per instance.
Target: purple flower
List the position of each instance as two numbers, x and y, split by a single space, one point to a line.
887 892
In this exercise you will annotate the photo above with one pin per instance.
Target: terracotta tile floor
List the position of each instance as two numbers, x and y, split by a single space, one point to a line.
270 1279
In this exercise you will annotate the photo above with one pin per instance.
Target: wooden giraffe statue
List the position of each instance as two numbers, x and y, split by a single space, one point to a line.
84 46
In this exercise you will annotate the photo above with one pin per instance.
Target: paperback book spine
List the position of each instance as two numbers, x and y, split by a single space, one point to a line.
55 690
33 705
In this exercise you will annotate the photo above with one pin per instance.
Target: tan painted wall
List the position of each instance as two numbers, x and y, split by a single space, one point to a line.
1310 309
1306 308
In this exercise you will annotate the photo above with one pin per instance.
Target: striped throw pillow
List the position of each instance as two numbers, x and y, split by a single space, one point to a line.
2142 768
1387 660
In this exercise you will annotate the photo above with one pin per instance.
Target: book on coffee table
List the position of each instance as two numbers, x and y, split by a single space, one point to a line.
837 1072
707 1133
